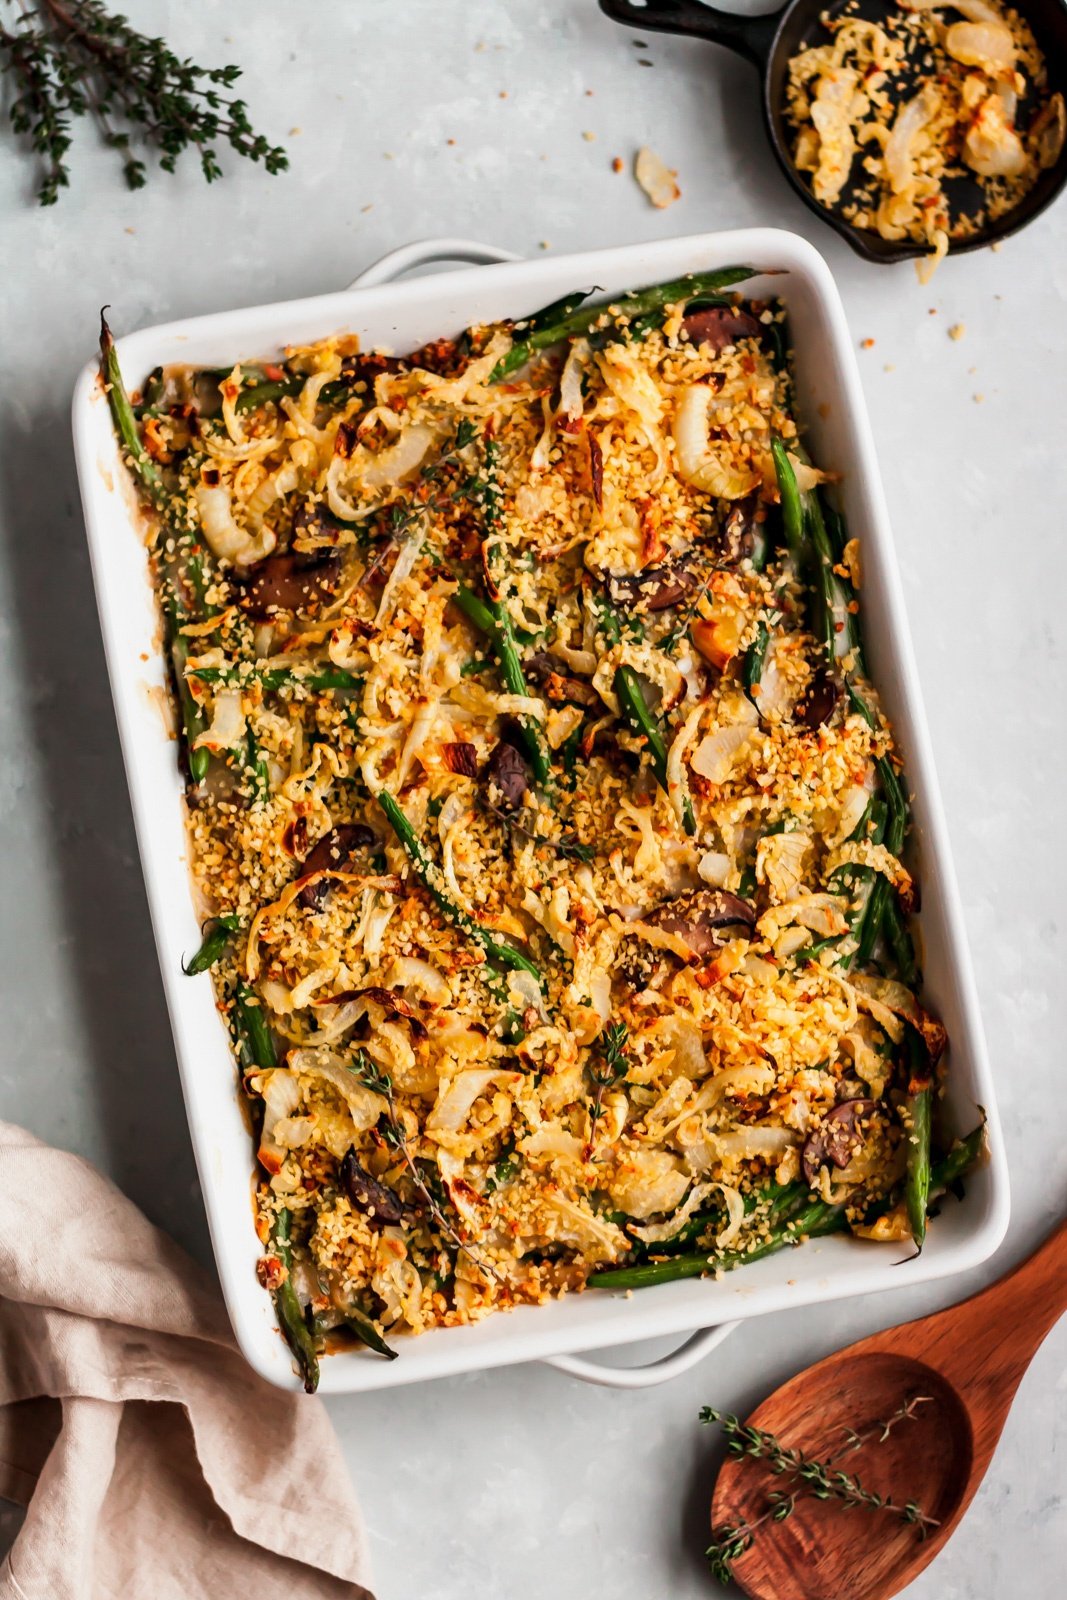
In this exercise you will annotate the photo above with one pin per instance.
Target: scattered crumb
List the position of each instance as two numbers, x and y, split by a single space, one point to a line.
387 155
503 94
997 244
971 371
639 44
367 208
933 311
866 344
643 61
131 230
978 398
823 408
588 137
618 164
657 179
294 131
544 245
479 46
450 141
889 367
957 330
590 93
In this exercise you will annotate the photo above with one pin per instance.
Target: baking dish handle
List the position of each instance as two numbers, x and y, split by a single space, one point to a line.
687 1355
422 251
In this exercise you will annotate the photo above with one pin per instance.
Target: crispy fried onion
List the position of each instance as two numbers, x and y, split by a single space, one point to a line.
384 883
717 470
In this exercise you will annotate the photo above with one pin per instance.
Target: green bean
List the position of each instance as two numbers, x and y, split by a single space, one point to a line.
883 892
852 876
656 298
309 676
193 719
256 768
429 875
792 506
629 332
260 394
549 315
501 632
287 1305
367 1333
779 1200
899 940
918 1112
155 490
254 1040
217 932
476 611
752 666
143 467
809 539
634 708
152 392
611 622
868 922
814 1221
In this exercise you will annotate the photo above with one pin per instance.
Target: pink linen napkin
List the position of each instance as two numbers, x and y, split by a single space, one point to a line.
153 1462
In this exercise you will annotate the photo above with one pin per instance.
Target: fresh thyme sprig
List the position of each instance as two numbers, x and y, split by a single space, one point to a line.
73 58
405 522
613 1065
820 1480
372 1077
567 845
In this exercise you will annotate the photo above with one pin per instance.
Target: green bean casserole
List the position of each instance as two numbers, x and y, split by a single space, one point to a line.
547 828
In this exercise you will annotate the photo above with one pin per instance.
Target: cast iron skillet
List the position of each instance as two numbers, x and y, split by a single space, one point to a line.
770 41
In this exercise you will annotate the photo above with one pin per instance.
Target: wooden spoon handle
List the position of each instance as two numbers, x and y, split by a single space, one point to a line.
992 1337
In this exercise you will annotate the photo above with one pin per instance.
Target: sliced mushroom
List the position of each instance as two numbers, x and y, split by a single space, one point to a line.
836 1139
289 582
655 589
314 522
461 757
508 775
553 675
739 529
819 701
698 918
334 850
375 1200
719 326
365 367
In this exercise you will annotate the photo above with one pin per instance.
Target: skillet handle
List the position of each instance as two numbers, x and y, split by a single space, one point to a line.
687 1355
423 251
751 37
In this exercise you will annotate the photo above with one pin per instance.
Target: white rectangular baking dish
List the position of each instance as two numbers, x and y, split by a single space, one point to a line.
402 317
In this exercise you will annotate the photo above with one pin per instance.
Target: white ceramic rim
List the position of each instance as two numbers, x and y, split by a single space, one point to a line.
412 312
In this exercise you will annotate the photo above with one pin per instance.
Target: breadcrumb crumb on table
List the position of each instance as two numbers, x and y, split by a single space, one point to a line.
659 182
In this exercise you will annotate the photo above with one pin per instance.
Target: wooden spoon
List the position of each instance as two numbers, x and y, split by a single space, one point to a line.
968 1362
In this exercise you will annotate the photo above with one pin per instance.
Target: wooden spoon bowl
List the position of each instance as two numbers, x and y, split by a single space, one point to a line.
966 1364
